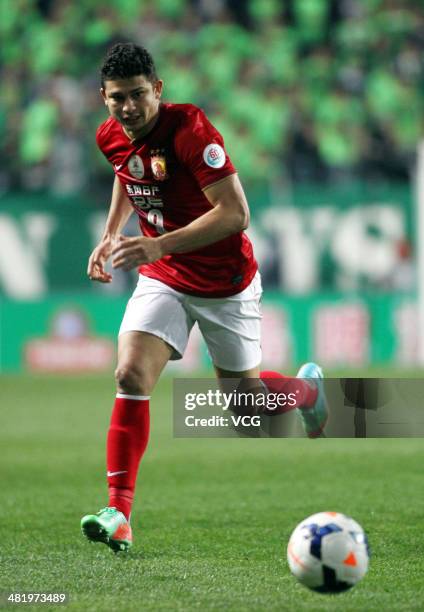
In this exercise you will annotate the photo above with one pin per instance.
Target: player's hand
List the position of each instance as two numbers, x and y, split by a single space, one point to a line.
129 253
97 260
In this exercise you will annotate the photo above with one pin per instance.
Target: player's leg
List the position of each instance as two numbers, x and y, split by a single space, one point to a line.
141 359
307 387
155 329
231 328
249 374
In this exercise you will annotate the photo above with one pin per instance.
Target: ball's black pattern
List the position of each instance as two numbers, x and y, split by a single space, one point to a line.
317 533
330 582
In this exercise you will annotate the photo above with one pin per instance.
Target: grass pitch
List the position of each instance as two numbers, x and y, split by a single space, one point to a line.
211 518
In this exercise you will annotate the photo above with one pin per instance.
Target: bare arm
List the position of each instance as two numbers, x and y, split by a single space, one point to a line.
229 215
119 213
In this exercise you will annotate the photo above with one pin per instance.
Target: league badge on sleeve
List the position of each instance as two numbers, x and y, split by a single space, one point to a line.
214 155
158 164
136 167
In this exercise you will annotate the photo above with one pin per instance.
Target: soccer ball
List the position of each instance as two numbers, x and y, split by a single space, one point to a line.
328 552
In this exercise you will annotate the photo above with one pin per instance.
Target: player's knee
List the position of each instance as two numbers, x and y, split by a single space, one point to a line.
132 380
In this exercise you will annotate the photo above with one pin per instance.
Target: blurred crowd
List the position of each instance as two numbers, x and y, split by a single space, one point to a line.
307 90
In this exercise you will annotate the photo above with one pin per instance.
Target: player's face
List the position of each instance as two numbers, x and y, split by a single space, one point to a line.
133 102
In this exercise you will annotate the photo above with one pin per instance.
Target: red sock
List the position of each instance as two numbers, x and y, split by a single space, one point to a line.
305 393
126 442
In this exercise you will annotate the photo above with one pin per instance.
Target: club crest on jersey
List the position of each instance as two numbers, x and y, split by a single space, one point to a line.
214 155
158 164
136 167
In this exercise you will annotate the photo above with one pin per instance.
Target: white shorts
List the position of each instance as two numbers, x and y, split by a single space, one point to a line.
230 326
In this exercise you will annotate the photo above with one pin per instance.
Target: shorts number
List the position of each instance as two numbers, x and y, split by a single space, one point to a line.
155 218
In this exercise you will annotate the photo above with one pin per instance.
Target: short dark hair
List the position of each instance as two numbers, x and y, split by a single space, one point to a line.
126 60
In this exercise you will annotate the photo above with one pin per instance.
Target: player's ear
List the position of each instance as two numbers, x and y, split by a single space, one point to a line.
103 94
157 88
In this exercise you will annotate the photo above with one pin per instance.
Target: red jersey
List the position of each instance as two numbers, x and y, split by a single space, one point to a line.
163 174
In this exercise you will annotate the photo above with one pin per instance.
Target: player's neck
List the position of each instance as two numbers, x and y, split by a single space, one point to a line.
148 127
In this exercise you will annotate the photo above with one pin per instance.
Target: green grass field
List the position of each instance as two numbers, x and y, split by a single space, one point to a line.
211 518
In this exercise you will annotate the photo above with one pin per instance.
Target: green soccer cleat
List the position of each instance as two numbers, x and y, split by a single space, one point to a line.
108 526
314 419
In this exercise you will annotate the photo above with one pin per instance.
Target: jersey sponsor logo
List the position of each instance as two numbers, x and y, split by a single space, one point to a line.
144 197
214 156
158 164
136 167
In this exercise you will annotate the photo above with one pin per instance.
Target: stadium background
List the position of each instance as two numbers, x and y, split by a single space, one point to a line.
321 106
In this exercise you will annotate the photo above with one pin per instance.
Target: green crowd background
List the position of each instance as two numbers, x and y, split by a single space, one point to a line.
307 90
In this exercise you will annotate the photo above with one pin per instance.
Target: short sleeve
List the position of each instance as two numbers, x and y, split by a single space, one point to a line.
200 148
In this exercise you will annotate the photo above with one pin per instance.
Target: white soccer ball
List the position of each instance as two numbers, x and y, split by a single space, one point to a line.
328 552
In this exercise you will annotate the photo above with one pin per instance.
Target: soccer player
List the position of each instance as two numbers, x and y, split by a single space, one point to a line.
195 264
